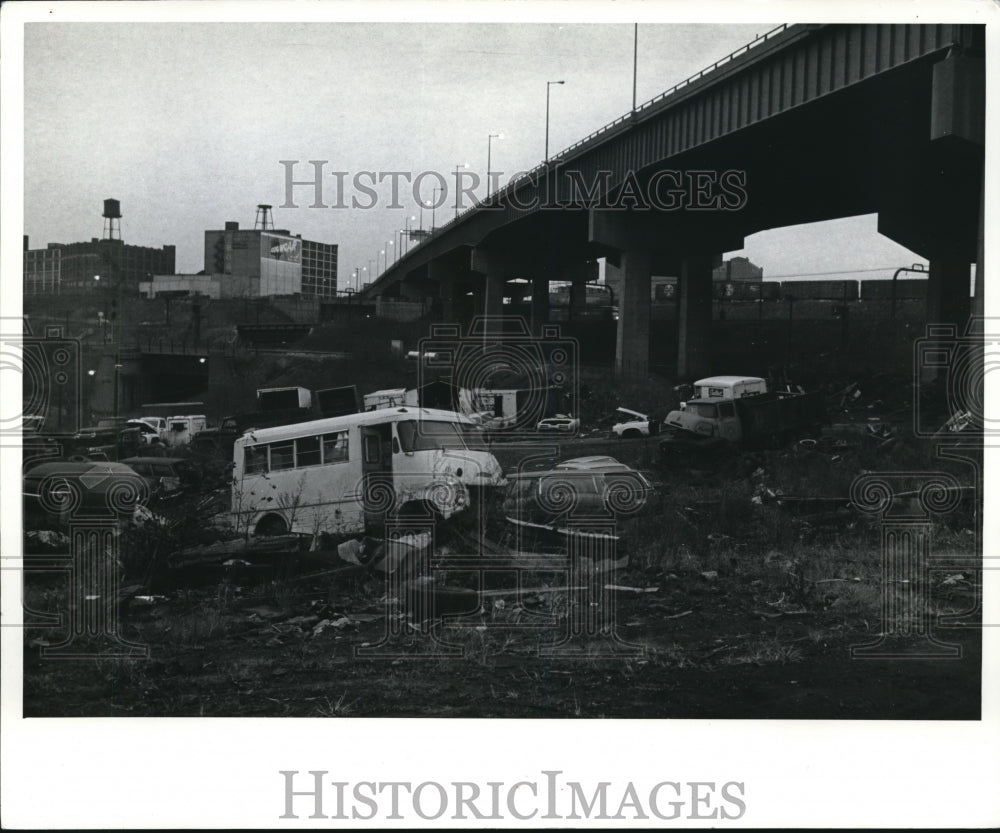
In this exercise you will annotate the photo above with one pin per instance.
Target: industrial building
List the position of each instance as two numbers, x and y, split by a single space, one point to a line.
100 264
265 261
84 267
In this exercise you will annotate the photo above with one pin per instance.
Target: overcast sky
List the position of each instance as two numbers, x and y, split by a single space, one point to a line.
186 124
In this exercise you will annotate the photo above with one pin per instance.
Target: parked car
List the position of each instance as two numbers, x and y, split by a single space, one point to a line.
637 424
49 487
165 474
106 443
560 423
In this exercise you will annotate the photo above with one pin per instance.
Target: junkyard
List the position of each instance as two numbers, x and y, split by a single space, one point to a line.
678 573
683 418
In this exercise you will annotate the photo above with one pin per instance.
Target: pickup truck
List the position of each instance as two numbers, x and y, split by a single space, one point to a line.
763 420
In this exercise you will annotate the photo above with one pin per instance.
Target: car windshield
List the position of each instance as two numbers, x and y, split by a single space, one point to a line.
427 435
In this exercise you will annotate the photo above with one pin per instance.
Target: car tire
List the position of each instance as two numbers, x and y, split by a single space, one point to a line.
631 434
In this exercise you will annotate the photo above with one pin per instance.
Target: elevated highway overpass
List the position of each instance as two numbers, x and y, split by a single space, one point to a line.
808 123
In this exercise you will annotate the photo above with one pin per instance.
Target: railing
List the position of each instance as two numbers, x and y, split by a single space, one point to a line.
621 120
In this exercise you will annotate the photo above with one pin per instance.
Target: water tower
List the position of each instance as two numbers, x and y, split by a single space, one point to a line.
263 220
112 220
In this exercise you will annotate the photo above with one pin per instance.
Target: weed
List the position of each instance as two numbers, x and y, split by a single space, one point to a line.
340 708
765 651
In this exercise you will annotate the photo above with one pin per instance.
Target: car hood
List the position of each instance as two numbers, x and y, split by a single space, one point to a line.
630 413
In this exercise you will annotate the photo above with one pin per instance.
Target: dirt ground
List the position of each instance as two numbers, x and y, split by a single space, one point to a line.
693 647
730 606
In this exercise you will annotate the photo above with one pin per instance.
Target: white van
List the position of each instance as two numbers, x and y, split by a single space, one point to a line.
346 474
181 429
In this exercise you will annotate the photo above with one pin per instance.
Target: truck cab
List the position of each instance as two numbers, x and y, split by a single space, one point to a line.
708 418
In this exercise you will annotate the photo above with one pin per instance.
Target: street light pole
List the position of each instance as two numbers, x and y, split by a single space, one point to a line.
489 151
548 89
457 189
635 62
434 207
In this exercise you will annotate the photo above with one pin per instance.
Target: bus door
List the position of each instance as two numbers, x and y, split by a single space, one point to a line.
376 467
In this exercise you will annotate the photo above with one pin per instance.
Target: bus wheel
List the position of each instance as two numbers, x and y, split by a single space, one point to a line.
271 525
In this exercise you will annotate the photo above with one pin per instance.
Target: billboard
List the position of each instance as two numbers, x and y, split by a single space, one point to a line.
281 248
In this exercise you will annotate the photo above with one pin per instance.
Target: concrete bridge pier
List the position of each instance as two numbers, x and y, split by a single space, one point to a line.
694 337
439 273
632 345
628 237
493 295
495 270
577 297
948 301
539 303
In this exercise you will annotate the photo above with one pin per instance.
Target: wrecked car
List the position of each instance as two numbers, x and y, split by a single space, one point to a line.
638 425
581 497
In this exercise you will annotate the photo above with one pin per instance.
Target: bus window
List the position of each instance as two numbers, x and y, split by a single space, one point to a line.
281 456
428 435
335 447
255 459
307 452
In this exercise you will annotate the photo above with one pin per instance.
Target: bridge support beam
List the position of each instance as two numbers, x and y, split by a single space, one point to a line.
694 335
496 269
439 273
493 295
948 301
539 303
577 297
632 345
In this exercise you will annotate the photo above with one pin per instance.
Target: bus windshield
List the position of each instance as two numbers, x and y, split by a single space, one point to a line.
428 435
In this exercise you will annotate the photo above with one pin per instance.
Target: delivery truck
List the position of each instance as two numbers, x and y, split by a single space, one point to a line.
764 420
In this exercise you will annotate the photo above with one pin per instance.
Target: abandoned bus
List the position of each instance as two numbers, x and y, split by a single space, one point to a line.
346 474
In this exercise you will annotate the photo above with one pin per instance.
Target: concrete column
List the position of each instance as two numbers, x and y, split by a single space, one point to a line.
447 293
979 301
948 292
445 279
577 297
695 317
493 295
539 303
632 349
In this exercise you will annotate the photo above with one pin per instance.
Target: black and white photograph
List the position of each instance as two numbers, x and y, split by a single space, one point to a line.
596 378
